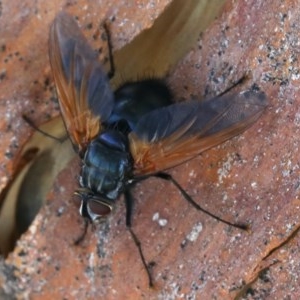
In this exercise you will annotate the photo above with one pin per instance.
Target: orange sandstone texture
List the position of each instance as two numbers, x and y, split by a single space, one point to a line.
253 178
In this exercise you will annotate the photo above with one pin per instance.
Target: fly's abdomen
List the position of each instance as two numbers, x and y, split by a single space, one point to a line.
106 165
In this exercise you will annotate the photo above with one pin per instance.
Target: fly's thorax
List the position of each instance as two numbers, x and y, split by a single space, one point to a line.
107 165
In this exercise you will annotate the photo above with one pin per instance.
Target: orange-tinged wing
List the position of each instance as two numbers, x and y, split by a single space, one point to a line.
85 96
172 135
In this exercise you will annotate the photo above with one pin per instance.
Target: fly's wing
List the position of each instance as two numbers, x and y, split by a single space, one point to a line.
171 135
85 97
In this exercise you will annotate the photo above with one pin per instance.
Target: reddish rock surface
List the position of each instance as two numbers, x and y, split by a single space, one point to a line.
253 178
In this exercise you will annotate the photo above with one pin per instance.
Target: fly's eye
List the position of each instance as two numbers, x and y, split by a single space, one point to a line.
98 208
